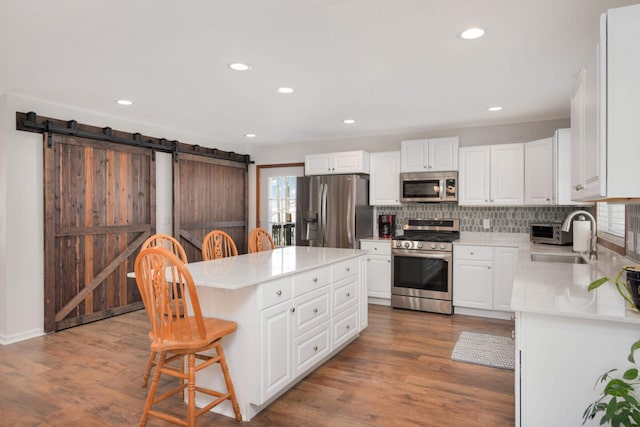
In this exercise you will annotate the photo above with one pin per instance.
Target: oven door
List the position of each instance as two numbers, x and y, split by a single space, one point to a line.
421 274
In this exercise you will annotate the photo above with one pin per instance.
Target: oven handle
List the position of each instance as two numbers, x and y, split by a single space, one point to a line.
446 256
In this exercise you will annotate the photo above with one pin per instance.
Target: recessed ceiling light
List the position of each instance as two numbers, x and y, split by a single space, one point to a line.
472 33
285 90
124 102
250 135
496 108
349 121
238 66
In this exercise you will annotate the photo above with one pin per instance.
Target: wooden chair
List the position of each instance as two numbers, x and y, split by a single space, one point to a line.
167 242
179 330
260 240
218 244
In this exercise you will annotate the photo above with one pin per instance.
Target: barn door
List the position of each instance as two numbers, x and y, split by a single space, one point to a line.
209 194
99 208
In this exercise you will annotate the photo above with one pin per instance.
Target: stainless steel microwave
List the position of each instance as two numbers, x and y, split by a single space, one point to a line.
429 187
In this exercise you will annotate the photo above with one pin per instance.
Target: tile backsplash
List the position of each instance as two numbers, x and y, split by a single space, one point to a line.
502 219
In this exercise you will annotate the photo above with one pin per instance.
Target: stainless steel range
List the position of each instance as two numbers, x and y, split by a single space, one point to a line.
422 265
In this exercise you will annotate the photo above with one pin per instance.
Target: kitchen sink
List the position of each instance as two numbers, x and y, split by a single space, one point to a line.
563 258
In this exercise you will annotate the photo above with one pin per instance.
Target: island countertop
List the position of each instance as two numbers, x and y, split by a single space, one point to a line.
251 269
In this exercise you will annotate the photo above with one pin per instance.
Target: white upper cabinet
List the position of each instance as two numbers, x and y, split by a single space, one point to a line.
336 163
539 183
605 107
429 155
492 175
384 179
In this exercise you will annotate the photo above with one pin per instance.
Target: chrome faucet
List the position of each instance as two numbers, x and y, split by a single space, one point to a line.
566 226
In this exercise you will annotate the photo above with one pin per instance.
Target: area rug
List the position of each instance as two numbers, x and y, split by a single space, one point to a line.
484 349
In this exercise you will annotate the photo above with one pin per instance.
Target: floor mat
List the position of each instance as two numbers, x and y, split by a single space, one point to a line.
484 349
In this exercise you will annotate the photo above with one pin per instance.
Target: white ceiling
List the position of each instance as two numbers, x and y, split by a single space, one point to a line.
394 66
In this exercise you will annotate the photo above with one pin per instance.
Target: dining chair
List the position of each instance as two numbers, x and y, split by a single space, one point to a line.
173 245
180 330
218 244
260 240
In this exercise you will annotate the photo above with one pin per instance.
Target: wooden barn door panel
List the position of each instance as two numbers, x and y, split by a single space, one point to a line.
209 194
99 208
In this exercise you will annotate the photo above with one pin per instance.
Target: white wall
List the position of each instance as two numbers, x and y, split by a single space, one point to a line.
22 205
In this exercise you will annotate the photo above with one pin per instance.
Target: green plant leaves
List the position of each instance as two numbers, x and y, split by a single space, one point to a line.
635 346
597 283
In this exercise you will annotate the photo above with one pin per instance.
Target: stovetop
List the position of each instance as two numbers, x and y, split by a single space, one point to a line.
434 234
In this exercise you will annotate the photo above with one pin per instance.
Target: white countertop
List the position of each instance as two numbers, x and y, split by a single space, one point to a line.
557 288
251 269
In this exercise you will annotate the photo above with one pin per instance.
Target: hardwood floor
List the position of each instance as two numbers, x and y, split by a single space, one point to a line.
399 372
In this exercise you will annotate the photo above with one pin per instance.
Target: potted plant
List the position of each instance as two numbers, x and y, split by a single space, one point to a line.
619 398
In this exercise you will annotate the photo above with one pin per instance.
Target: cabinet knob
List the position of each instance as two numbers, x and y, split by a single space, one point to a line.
548 199
375 249
348 294
293 309
315 310
488 267
315 348
513 335
279 293
315 279
348 269
348 327
579 187
368 259
389 261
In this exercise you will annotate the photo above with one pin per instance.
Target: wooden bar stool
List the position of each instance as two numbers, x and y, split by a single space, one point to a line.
173 245
218 244
260 240
179 330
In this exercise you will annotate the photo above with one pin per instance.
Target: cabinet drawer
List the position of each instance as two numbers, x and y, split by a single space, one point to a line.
345 294
274 292
311 310
376 248
310 280
311 347
345 326
484 253
344 269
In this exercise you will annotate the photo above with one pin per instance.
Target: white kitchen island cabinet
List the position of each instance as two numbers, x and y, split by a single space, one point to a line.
295 308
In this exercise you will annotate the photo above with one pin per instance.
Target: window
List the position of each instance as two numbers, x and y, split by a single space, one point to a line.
282 209
611 222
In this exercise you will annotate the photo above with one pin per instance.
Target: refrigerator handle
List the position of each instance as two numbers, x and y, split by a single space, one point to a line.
350 217
323 215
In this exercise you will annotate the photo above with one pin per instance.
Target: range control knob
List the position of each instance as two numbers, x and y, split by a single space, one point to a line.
407 245
419 245
434 246
443 246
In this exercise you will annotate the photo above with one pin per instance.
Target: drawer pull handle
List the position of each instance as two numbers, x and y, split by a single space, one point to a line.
315 310
315 279
315 348
279 293
293 309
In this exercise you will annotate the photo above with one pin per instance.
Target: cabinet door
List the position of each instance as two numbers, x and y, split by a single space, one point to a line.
318 164
504 264
384 179
414 153
539 172
473 284
350 162
507 174
276 347
594 142
577 137
474 177
443 154
379 276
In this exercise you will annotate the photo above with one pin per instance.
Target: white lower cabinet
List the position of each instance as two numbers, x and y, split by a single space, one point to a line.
311 347
483 277
378 263
276 341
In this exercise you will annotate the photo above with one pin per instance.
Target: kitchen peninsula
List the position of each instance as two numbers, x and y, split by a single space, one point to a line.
295 307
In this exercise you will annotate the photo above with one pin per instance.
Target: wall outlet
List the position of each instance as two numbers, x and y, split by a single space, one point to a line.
486 224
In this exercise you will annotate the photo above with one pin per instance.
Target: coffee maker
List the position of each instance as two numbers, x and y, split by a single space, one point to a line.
386 226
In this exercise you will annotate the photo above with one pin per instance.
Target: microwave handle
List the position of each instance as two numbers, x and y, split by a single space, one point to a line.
443 188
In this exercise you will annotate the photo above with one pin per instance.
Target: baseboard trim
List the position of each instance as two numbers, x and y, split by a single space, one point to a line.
24 335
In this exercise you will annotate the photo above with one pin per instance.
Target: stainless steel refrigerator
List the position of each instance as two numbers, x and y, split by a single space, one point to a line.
333 211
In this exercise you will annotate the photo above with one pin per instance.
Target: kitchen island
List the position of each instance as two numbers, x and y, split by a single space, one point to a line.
566 336
295 307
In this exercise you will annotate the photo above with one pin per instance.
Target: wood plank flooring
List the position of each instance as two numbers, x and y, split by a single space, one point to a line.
399 372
